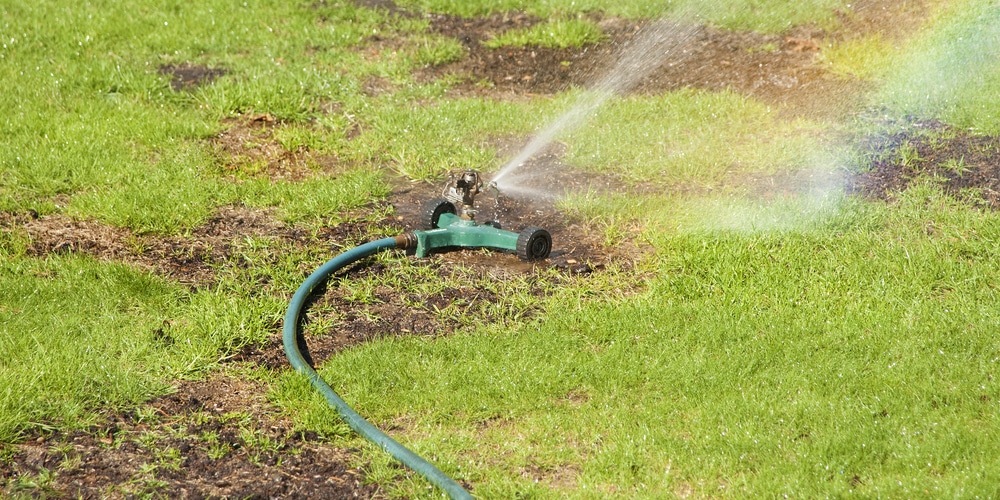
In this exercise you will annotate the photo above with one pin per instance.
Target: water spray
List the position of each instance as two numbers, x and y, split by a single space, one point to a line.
635 60
450 223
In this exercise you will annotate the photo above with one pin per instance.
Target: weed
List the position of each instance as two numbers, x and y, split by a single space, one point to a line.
168 458
956 166
258 444
37 485
908 156
218 450
148 440
147 415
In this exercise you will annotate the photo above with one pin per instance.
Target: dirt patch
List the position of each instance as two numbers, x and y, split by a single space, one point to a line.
778 69
191 259
250 147
964 165
891 20
220 438
466 286
531 201
210 439
187 76
558 478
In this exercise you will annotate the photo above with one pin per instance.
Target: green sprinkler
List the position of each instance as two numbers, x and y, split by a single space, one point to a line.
446 228
451 223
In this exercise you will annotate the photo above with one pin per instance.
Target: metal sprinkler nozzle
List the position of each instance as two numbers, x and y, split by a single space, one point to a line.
463 193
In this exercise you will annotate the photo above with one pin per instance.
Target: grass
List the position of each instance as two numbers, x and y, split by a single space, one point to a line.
867 58
825 360
68 363
946 72
676 138
809 345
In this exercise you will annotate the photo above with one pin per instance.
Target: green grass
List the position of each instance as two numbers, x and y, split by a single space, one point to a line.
810 345
854 355
689 137
427 142
78 335
867 58
948 71
92 117
558 33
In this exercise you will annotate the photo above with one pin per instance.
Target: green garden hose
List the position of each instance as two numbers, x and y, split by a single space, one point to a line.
353 419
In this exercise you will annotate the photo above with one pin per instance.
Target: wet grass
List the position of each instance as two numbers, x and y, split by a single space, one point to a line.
852 355
677 138
810 345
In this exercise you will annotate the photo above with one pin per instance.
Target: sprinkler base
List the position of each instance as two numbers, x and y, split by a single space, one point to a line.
450 231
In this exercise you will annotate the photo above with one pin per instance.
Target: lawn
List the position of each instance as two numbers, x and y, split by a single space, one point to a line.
775 267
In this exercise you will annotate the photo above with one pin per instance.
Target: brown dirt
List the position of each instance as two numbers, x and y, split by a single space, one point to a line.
129 456
966 166
216 438
577 250
187 76
248 148
778 69
188 259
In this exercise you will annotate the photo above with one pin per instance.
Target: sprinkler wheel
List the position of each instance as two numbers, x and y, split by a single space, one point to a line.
533 243
434 209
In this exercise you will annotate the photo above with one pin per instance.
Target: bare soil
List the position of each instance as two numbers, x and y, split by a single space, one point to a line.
248 148
187 76
219 438
191 260
964 165
778 69
210 439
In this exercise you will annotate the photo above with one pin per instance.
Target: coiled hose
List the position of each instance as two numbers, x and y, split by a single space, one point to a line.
353 419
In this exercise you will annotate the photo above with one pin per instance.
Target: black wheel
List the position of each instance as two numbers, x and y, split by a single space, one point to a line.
494 223
434 209
533 243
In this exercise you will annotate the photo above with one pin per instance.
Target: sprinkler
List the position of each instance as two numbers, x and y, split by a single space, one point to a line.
450 222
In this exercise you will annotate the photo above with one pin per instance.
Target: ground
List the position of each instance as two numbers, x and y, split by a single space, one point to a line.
220 437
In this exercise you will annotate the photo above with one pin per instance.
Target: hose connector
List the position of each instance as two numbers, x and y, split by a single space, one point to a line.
406 241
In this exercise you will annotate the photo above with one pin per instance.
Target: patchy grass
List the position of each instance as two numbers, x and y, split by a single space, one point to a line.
557 33
60 364
828 359
793 341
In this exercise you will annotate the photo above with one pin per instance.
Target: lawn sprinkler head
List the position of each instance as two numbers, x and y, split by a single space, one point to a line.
447 227
463 193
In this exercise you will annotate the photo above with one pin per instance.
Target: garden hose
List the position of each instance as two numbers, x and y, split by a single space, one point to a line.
353 419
